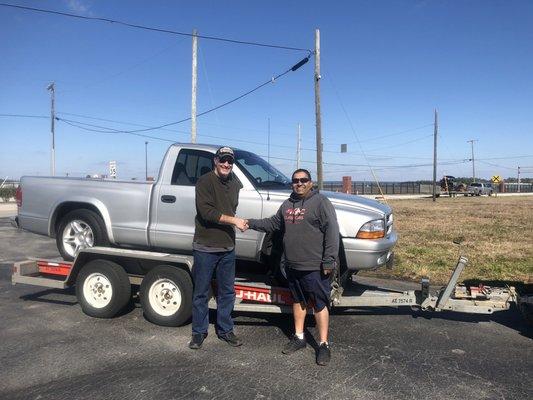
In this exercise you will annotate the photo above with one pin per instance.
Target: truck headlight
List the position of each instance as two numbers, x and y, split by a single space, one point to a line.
372 230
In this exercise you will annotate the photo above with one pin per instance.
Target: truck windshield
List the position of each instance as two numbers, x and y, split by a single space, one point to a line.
261 174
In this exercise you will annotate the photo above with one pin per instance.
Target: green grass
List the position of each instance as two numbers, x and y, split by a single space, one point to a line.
498 233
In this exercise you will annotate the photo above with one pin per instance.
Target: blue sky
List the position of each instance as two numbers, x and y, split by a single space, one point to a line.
386 65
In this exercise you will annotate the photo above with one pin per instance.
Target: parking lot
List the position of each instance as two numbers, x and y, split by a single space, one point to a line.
51 350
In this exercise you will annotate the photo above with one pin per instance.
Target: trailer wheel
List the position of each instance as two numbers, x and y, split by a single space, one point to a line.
166 296
103 288
78 230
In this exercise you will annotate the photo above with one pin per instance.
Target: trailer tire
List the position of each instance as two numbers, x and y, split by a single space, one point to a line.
103 288
80 229
166 296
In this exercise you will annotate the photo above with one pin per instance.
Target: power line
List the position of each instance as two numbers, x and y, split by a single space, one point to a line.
119 73
148 28
272 80
109 130
24 116
387 135
496 165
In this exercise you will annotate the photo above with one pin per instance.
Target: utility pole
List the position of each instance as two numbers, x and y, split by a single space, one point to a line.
193 86
146 161
435 133
319 172
52 88
298 144
473 163
518 180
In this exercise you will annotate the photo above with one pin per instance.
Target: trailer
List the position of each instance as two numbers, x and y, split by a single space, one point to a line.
105 279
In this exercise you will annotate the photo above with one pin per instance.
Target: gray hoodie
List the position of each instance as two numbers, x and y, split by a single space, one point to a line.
310 231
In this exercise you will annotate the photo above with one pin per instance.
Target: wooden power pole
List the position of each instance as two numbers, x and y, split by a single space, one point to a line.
193 86
52 88
319 173
435 133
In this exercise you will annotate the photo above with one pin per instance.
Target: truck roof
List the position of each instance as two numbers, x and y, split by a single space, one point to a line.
200 146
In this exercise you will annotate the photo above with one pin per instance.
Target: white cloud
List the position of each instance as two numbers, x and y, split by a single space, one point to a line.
78 6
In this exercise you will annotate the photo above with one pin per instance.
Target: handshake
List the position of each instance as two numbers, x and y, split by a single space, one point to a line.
241 224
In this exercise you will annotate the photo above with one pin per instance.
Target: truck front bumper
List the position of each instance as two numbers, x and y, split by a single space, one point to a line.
368 253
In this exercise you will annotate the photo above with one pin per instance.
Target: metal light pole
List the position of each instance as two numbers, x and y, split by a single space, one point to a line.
298 145
518 181
473 163
435 133
51 88
146 161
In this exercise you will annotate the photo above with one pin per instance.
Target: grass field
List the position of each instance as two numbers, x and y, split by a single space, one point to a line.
497 231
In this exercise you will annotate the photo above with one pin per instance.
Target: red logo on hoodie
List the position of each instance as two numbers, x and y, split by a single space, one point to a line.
294 214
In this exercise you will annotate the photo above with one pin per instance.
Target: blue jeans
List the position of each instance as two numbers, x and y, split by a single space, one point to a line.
202 272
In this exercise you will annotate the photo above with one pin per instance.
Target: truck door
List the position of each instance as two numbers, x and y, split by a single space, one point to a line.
176 209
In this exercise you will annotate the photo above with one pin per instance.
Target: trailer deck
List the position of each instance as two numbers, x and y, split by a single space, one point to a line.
256 293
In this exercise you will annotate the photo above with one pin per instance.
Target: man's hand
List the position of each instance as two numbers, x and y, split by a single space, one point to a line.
241 224
328 268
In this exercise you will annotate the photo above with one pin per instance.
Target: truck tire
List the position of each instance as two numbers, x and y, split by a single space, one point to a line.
80 229
166 296
103 288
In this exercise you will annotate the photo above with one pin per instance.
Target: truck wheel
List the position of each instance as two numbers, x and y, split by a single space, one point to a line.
166 296
103 288
78 230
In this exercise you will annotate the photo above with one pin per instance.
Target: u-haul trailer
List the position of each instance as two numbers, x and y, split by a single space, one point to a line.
104 278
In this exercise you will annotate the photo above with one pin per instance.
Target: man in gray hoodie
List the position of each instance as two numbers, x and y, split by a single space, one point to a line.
310 231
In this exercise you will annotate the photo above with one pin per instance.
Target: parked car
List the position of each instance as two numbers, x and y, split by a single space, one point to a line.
159 216
478 189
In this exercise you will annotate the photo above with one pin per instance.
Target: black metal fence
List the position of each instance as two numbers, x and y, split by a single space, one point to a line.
371 188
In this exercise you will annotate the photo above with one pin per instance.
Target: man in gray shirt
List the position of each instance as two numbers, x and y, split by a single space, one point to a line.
310 230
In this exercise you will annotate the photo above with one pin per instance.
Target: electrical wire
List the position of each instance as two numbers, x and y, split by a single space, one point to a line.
148 28
119 73
272 80
357 138
24 116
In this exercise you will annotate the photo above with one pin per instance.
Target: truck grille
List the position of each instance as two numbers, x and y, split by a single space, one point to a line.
389 221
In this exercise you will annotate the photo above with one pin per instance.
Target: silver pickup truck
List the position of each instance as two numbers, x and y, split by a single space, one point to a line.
159 215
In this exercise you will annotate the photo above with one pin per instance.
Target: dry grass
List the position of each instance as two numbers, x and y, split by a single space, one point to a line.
497 231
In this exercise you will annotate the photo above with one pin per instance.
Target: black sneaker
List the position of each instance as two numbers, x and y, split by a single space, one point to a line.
231 339
294 345
197 340
323 355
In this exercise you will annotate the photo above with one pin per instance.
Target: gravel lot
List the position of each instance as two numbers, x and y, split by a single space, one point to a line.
50 350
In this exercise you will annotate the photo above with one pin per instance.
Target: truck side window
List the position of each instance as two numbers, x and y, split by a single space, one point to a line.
190 165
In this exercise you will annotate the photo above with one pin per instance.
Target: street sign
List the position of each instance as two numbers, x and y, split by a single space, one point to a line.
113 169
496 179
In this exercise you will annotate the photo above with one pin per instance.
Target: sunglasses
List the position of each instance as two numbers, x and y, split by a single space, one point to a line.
300 180
228 160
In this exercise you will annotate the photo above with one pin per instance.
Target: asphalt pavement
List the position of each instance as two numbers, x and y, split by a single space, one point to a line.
51 350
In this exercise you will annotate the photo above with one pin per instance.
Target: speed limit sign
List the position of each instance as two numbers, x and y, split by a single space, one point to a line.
112 169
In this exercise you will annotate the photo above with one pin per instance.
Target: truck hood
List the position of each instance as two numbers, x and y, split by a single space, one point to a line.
342 200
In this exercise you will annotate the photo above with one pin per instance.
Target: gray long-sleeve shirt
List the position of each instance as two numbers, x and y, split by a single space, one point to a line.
310 231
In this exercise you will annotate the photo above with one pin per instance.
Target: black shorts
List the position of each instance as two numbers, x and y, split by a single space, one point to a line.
313 288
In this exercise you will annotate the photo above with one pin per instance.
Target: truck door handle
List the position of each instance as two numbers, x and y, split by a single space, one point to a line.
168 199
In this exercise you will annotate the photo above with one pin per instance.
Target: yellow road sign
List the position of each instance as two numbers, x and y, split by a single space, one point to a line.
496 179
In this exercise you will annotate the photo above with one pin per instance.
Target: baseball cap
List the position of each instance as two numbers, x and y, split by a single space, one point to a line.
225 152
